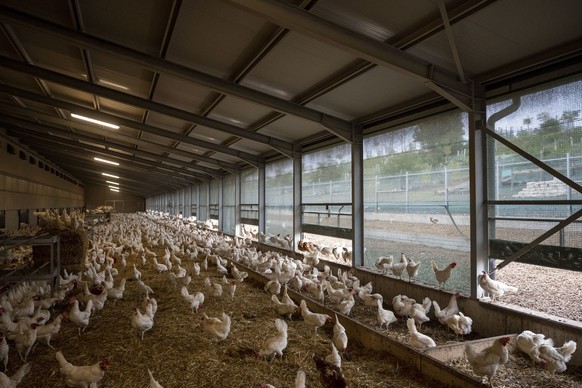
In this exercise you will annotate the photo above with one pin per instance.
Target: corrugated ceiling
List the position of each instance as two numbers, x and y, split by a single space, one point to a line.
202 87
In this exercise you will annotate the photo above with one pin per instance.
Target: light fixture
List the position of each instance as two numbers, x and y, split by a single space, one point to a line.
106 161
109 175
113 183
94 121
112 189
118 86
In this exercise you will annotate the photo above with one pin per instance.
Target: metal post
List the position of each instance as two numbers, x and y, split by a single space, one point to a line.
406 190
357 198
376 192
477 183
297 198
262 208
446 187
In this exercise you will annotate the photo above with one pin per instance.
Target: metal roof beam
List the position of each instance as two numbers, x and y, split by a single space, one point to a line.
334 124
244 156
129 99
79 164
76 159
43 129
382 54
95 139
17 111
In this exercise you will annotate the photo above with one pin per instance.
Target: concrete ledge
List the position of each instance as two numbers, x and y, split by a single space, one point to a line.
428 366
489 319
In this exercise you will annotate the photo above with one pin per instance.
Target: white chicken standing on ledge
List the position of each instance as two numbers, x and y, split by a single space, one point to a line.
494 287
416 339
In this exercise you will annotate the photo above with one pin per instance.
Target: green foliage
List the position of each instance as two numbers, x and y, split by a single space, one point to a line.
441 138
553 137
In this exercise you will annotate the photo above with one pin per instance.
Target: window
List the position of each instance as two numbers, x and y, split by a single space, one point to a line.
228 204
249 198
327 195
279 198
416 197
546 125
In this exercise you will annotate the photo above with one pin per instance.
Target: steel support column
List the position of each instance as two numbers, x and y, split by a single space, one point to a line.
357 199
297 198
478 189
262 186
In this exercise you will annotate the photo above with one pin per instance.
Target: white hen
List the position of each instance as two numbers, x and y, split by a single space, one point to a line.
340 338
416 339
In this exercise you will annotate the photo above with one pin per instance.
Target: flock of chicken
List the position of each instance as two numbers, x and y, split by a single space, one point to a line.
25 310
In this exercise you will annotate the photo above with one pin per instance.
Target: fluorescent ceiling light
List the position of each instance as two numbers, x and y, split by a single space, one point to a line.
94 121
112 189
113 183
118 86
106 161
109 175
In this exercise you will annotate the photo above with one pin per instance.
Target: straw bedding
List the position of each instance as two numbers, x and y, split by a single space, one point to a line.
180 353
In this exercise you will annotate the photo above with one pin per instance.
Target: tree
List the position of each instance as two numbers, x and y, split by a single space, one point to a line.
569 117
527 122
544 116
440 138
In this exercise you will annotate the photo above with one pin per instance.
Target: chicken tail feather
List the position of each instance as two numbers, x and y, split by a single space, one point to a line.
568 349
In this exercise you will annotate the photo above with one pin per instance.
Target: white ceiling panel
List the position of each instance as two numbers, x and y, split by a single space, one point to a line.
377 19
181 94
191 148
121 75
208 134
119 109
157 139
138 24
71 95
296 64
291 128
211 36
251 147
370 92
238 112
49 53
167 122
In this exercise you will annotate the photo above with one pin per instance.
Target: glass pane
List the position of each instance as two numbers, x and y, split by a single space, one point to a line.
228 222
326 175
228 190
250 186
279 198
214 191
416 196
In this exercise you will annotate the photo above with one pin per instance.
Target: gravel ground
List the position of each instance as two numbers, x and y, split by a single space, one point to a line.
552 291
